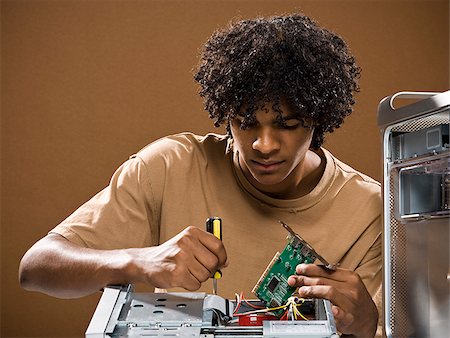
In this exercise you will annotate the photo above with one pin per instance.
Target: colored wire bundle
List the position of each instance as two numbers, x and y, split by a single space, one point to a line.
291 308
240 299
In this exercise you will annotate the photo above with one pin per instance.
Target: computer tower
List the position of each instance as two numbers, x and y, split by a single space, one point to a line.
416 214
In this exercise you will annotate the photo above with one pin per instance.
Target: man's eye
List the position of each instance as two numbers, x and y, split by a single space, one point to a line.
291 124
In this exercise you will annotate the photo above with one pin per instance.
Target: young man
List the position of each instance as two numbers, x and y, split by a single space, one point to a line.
278 84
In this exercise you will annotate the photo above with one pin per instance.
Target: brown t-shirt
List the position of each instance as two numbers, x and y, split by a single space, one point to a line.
183 179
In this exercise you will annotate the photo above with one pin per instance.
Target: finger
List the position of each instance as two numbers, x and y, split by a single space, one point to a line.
214 245
300 281
343 319
183 276
193 238
321 271
200 261
292 281
191 284
191 257
326 292
199 272
206 258
338 313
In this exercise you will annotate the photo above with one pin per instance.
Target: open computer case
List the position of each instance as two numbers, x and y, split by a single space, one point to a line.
416 213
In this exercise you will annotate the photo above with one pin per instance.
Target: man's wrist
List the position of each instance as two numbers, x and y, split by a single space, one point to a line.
119 268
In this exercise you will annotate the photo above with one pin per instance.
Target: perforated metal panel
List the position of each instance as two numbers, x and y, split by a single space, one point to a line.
398 319
435 119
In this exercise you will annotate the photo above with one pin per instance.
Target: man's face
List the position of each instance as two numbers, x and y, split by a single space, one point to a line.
272 152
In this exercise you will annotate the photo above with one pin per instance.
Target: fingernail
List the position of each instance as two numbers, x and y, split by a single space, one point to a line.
304 290
300 269
334 310
291 281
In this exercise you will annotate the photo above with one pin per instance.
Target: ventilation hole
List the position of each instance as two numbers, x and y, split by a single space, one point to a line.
160 305
161 299
181 305
138 305
158 311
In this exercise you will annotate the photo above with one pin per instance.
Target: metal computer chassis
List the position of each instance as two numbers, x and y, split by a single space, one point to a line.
121 312
416 214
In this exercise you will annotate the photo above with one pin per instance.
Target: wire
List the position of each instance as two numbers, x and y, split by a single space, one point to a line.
294 305
291 308
238 301
250 304
261 310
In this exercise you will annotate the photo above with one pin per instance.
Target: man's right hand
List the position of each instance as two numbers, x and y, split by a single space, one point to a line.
186 260
60 268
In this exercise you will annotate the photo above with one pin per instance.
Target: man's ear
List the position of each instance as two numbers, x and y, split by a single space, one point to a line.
230 142
228 128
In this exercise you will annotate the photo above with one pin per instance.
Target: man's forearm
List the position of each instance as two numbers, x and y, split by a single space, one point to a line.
62 269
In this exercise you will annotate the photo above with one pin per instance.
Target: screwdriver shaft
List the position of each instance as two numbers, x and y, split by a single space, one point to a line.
214 286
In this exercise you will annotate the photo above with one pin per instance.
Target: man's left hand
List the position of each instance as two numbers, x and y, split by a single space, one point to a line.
354 311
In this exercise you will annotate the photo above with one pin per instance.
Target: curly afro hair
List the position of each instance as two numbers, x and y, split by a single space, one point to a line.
266 60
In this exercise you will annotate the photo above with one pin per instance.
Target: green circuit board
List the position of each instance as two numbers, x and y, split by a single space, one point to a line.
272 287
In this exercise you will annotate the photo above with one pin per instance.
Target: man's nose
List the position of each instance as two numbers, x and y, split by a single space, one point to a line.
266 141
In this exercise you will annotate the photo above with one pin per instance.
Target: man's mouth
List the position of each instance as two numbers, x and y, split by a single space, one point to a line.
267 165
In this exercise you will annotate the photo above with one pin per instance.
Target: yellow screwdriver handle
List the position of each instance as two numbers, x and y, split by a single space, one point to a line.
214 226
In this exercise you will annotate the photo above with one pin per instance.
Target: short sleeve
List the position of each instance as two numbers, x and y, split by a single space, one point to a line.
119 216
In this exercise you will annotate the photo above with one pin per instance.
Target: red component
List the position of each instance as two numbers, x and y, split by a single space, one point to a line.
255 319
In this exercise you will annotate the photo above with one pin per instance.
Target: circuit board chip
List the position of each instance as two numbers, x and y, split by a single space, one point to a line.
271 286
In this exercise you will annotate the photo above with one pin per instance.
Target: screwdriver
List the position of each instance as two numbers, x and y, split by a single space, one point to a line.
214 226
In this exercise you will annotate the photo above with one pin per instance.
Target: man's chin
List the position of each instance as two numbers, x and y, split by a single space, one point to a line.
267 182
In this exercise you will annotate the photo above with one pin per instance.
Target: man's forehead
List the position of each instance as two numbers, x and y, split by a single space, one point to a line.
274 110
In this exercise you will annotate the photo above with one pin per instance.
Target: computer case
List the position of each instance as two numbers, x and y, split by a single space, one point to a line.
416 214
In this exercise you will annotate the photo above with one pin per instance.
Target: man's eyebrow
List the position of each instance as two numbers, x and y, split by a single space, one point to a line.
290 117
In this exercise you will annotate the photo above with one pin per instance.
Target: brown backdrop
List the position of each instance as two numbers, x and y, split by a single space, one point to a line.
87 83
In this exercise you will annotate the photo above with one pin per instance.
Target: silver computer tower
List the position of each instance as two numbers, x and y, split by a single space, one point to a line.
416 214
